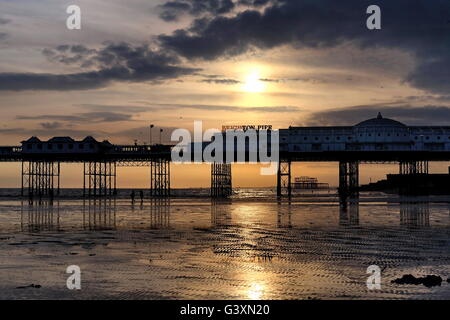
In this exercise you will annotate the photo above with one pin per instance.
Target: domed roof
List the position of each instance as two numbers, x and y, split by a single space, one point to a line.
379 121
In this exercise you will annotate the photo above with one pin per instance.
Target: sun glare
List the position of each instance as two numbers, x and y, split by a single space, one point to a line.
255 292
253 83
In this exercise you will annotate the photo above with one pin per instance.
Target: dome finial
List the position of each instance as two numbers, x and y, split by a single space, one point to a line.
379 116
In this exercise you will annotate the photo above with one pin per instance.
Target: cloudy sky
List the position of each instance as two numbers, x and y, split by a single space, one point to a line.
279 62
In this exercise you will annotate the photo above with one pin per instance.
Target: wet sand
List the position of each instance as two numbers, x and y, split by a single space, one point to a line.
238 249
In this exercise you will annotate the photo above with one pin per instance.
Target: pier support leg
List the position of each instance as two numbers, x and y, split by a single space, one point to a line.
413 173
22 188
221 186
413 167
39 178
100 177
115 179
348 180
160 178
59 178
284 187
415 214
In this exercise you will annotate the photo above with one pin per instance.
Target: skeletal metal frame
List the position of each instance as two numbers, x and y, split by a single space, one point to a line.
160 178
221 183
99 178
284 187
413 170
40 178
348 179
413 167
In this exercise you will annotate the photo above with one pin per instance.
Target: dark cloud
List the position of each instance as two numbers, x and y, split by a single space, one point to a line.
42 132
425 115
209 76
88 117
432 74
425 98
3 35
173 10
78 55
51 125
4 21
221 81
417 27
270 80
217 79
11 130
302 79
254 3
114 108
113 62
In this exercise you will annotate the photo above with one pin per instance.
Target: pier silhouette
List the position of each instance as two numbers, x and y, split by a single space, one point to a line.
377 140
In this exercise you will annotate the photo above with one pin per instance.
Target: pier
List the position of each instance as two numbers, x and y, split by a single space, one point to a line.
377 140
41 162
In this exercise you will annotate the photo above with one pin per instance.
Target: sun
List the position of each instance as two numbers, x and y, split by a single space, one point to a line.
253 83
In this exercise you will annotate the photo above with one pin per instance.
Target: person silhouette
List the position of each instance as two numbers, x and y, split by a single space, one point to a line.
132 196
30 197
141 194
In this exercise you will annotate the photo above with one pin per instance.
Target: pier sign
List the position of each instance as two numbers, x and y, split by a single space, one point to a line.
247 127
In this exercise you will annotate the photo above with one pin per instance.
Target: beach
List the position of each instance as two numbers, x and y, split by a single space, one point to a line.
241 248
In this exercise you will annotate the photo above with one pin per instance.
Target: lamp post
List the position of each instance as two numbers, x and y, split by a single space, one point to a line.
160 134
151 126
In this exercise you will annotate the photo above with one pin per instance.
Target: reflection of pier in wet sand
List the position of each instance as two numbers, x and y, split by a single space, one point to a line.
99 214
349 214
415 214
284 215
160 213
42 217
220 213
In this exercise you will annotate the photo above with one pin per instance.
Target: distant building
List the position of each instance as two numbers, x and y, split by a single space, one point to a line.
64 145
377 134
419 184
309 183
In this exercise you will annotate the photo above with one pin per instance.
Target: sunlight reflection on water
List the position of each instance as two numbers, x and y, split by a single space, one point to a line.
202 249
